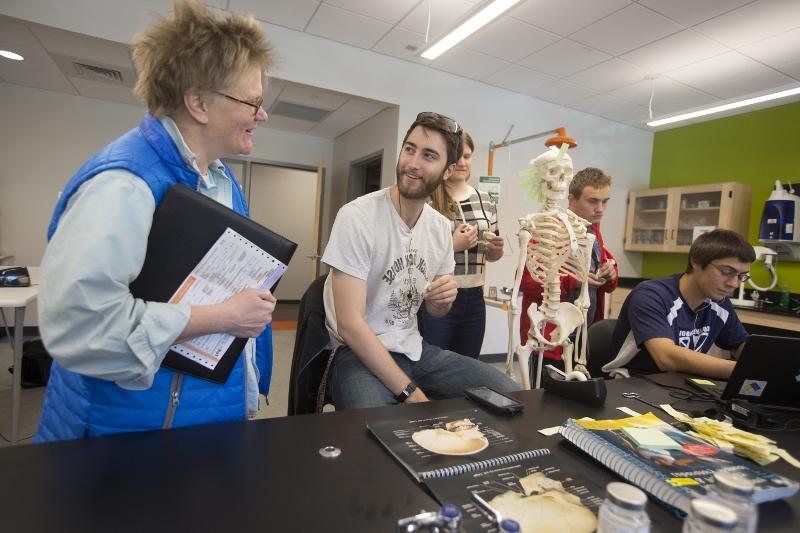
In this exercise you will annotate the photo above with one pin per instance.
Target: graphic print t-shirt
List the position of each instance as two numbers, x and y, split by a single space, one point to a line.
371 242
656 309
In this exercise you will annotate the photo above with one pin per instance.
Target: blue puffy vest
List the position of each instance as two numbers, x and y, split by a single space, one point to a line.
79 406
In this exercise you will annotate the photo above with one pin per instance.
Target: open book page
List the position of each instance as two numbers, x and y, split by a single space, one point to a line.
534 491
231 265
439 445
675 468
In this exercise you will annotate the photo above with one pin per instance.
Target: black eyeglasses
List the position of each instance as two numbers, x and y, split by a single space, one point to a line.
730 272
448 123
255 105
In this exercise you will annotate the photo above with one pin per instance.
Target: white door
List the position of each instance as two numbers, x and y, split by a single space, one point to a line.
287 201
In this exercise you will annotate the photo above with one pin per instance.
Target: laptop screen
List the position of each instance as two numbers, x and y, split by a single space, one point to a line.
767 372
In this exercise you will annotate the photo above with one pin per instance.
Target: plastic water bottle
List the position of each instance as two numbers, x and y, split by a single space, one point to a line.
784 298
623 510
708 515
507 525
736 493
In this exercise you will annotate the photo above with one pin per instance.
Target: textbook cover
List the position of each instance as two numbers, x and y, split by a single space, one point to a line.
673 473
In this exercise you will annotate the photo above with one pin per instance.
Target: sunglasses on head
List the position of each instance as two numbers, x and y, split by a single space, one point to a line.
447 123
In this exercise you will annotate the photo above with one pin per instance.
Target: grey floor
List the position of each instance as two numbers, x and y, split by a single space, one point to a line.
31 404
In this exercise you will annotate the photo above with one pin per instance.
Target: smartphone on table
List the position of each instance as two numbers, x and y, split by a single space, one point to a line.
493 400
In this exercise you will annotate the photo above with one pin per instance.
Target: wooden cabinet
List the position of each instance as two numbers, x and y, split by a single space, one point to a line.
664 220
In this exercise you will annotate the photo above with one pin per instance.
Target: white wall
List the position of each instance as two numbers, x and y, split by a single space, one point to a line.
377 133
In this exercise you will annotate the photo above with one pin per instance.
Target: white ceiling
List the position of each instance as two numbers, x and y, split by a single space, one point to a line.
50 53
599 56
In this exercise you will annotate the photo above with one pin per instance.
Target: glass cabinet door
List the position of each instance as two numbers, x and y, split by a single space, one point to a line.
698 212
650 220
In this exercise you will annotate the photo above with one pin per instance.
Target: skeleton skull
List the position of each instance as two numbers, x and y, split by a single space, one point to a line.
555 175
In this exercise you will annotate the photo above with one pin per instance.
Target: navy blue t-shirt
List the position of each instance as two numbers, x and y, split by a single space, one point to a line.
656 309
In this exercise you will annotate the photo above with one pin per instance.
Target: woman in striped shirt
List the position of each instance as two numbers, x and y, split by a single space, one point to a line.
473 217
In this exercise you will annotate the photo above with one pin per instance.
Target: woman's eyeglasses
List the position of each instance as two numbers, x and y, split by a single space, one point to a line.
255 105
448 123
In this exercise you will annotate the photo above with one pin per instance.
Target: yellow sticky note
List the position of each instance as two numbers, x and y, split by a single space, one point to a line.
703 382
628 411
682 481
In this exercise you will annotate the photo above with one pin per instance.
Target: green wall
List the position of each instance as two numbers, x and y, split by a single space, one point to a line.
755 148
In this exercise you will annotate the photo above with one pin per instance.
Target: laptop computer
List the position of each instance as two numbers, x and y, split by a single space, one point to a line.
767 373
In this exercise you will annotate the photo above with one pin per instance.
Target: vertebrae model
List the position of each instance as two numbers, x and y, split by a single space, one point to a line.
555 243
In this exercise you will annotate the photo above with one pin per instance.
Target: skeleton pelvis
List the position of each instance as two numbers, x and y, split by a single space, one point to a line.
568 318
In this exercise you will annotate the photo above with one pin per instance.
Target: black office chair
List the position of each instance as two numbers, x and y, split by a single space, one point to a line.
311 358
599 345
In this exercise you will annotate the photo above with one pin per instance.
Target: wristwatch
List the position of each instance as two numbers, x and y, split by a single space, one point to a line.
405 393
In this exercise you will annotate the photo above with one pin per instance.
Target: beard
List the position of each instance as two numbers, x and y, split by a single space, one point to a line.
424 190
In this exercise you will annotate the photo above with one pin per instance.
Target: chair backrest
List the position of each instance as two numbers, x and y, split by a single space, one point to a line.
310 357
599 345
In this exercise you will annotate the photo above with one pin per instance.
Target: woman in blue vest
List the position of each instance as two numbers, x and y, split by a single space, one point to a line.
201 78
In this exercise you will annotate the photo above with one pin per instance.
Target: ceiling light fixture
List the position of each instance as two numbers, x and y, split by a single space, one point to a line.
490 12
724 107
11 55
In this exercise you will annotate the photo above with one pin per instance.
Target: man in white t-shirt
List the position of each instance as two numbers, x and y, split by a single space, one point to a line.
389 252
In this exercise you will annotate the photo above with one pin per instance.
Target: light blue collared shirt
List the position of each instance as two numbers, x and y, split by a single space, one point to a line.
88 319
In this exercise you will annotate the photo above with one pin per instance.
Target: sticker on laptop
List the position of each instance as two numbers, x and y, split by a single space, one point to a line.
753 387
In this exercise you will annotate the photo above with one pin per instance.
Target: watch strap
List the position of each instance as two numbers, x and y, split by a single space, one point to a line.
405 393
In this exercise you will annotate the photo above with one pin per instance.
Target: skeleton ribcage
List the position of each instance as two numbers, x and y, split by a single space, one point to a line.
550 241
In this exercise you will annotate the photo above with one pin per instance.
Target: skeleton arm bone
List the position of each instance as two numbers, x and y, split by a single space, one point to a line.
516 301
584 303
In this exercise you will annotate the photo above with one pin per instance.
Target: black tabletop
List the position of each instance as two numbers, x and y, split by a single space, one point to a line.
267 475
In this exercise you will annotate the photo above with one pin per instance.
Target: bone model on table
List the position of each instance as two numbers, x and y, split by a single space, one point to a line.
556 243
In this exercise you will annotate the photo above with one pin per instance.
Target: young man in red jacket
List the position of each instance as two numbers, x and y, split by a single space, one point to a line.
589 193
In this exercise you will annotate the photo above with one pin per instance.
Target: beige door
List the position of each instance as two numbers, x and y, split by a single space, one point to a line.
288 201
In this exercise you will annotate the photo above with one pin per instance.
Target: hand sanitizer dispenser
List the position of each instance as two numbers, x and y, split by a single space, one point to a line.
780 223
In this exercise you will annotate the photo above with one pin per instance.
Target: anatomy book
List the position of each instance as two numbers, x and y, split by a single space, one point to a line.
464 454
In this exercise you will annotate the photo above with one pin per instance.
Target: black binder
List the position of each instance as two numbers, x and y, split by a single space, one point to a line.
186 225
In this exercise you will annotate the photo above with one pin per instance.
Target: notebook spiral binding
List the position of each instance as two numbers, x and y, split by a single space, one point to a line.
486 463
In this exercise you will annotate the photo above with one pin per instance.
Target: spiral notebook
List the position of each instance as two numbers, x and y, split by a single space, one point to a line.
431 447
197 244
676 474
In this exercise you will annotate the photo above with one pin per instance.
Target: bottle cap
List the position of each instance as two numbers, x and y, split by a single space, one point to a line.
713 513
507 525
450 511
330 452
626 496
733 483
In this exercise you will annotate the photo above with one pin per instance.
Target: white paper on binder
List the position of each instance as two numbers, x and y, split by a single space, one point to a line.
232 265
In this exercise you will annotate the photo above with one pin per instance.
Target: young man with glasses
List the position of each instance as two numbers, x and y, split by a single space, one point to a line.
390 253
669 324
201 78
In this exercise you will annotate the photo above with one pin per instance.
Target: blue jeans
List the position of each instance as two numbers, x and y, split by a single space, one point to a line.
439 373
460 330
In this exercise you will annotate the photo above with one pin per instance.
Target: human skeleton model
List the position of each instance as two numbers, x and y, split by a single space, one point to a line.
561 246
